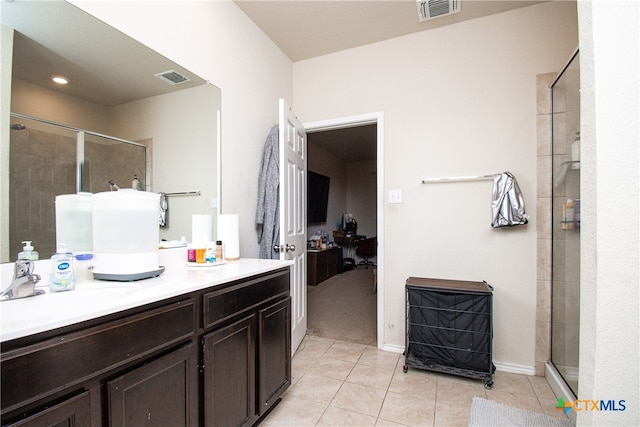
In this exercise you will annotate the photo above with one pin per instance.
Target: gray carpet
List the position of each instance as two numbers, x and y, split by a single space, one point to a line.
344 307
492 414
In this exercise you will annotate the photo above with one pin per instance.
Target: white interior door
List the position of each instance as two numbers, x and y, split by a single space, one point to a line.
293 213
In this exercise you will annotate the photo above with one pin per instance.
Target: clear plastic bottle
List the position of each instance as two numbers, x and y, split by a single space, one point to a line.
62 275
28 252
210 254
83 265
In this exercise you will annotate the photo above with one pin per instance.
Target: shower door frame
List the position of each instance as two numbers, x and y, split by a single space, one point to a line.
557 375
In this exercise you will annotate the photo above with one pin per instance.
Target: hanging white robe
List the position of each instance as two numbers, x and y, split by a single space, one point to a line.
268 209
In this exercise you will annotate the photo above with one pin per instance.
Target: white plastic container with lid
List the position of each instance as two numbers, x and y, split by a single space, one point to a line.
125 234
83 266
28 252
74 226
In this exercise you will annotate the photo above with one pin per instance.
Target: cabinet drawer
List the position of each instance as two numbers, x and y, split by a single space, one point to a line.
35 371
223 304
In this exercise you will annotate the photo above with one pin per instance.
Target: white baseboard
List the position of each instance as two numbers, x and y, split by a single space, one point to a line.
515 369
392 348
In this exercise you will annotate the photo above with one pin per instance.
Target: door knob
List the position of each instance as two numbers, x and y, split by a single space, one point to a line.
284 248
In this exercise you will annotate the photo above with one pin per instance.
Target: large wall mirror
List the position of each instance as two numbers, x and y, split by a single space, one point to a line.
135 114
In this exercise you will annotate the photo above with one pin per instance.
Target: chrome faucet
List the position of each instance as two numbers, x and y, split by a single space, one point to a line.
23 282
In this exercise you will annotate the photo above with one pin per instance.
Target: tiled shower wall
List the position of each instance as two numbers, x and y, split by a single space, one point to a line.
543 225
43 165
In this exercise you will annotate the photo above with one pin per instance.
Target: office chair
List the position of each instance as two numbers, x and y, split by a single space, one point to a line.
367 248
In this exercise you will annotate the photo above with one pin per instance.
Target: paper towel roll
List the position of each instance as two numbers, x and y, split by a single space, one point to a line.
201 229
228 232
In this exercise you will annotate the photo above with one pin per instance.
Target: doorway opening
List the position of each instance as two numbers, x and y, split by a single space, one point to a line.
349 151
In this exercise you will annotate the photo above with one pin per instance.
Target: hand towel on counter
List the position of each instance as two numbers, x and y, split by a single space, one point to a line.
228 233
507 204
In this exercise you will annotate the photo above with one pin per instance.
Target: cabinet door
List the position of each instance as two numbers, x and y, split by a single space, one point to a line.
274 343
229 356
163 392
73 412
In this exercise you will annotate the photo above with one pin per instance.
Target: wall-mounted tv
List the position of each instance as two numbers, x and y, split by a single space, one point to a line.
317 197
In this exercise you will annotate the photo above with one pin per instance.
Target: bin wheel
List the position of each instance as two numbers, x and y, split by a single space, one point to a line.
488 385
405 368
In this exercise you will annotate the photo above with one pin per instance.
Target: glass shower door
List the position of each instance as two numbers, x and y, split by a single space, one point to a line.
565 300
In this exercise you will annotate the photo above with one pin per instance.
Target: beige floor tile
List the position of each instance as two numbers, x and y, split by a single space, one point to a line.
294 411
359 398
344 384
370 376
378 358
408 410
511 383
341 417
419 384
316 388
451 415
345 351
541 388
387 423
315 344
332 368
453 388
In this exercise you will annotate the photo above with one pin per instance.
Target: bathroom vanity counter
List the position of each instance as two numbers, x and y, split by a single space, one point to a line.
195 346
28 316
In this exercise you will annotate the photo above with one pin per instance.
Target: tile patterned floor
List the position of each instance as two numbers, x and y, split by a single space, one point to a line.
336 383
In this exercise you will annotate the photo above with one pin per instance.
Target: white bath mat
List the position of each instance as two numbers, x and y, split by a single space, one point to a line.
490 413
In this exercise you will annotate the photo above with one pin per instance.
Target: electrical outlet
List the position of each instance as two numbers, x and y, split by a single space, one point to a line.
395 196
214 203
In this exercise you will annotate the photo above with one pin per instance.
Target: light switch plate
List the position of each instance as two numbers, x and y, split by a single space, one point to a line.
214 202
395 196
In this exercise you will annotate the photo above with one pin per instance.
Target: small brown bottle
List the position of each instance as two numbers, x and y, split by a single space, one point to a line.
219 251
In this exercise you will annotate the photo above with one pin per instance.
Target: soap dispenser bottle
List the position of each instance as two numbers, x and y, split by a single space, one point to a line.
135 184
62 276
28 252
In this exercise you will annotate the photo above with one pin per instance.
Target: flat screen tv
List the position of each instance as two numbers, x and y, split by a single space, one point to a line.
317 197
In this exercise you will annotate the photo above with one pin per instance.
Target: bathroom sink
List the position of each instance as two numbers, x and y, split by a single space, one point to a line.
86 298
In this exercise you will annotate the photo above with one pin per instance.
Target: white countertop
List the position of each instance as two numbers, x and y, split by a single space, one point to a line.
27 316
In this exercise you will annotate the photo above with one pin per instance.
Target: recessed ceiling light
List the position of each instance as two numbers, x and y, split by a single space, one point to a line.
60 80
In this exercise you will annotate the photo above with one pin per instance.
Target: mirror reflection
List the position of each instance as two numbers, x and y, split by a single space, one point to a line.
134 123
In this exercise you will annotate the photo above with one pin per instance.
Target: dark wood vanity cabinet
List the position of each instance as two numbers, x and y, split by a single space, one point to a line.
220 356
247 355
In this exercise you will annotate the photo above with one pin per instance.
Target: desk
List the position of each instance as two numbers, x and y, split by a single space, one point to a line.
348 244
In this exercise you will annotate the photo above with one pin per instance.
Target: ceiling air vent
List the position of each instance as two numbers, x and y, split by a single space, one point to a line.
431 9
172 77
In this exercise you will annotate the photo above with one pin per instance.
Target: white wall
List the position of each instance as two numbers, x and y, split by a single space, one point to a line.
457 100
217 41
610 252
58 107
182 127
361 195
